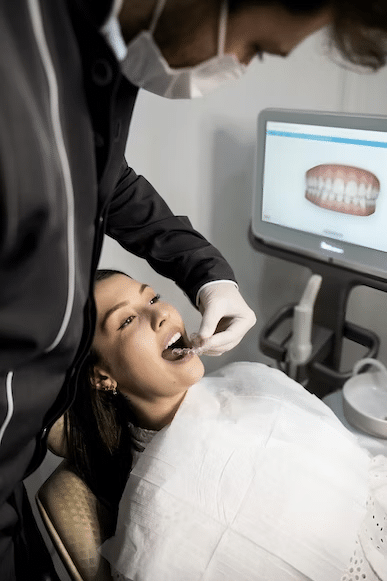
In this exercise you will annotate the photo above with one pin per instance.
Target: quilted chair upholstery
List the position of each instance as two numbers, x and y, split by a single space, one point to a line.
76 522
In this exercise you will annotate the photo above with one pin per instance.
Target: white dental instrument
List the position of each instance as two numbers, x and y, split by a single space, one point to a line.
300 346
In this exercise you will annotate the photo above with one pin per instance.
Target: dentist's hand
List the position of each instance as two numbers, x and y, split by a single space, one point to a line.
226 318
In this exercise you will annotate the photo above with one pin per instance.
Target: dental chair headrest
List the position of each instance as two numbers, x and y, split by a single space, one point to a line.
56 441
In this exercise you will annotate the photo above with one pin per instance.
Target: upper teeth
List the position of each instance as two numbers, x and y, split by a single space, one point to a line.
173 340
350 191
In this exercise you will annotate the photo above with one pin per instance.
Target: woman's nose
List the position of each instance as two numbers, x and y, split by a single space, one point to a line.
160 316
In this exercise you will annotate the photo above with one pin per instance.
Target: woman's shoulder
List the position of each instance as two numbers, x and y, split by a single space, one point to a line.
235 367
254 371
256 379
250 387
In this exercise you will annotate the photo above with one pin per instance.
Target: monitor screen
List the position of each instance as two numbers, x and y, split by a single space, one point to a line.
321 187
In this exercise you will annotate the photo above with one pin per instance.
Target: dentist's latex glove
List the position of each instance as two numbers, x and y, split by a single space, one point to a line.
226 318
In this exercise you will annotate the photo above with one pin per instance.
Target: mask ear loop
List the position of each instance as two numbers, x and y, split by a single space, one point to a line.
156 15
222 27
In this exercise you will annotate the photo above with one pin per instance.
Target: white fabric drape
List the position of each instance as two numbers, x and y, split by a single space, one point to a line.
254 480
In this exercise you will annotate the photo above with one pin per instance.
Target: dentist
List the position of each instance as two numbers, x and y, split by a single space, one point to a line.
70 72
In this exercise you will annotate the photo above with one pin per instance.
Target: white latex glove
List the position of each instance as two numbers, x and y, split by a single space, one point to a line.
226 318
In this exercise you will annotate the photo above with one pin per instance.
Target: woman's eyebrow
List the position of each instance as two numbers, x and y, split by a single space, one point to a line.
111 311
119 306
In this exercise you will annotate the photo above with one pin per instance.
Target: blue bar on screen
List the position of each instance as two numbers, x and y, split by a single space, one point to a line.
311 137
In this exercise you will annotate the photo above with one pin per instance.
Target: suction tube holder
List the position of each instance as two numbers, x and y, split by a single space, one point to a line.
316 371
320 371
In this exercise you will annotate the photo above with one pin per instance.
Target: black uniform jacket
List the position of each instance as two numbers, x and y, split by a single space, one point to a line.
65 110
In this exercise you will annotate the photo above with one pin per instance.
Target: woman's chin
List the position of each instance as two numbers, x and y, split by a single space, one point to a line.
192 365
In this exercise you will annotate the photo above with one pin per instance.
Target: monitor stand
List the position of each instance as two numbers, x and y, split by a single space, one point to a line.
321 373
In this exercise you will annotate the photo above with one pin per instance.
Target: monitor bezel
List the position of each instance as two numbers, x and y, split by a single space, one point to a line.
354 257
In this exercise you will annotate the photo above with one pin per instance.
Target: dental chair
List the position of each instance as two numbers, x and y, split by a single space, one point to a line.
76 521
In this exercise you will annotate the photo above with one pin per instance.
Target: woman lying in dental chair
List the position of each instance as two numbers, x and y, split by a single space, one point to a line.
242 475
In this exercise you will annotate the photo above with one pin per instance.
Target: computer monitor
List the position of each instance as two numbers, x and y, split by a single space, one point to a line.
320 187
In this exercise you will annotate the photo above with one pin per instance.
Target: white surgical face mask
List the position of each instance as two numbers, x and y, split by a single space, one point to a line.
145 66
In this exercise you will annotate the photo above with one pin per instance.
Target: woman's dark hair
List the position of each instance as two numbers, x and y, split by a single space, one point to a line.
98 428
358 29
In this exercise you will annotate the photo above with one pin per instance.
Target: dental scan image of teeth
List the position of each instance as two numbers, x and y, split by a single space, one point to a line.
325 181
342 188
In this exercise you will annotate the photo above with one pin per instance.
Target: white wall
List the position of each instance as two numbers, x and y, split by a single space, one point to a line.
199 155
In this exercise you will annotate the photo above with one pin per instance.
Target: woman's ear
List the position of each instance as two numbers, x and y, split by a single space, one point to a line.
101 379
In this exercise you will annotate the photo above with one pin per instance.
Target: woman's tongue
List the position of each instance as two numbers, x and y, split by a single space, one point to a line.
169 354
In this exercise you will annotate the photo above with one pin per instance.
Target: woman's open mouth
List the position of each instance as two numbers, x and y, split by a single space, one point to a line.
176 342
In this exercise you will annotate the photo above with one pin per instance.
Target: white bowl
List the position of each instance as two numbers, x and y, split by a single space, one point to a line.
365 402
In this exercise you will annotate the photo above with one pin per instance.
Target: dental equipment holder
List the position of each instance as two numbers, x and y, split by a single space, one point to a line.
321 371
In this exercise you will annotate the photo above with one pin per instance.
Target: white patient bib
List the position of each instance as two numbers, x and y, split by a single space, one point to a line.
254 480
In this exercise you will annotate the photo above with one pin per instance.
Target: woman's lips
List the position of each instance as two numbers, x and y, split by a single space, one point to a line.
176 347
342 188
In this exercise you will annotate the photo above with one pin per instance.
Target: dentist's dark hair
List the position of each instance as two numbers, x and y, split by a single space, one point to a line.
292 6
358 29
98 431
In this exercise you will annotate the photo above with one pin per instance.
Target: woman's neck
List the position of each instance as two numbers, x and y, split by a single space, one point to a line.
158 413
